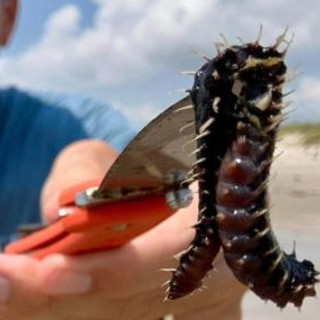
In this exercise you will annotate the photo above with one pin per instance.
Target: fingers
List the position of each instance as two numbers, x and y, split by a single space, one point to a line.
60 285
21 292
32 289
81 161
62 288
56 277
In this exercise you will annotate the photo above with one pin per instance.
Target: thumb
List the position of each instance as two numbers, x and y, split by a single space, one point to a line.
77 163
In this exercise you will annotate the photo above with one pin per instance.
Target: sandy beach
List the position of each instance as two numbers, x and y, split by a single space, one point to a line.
295 216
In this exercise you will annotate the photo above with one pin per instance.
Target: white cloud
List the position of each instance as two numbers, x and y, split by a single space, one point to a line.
62 23
135 47
307 100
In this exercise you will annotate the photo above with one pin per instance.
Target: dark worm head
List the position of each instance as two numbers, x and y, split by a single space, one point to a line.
302 284
246 78
258 76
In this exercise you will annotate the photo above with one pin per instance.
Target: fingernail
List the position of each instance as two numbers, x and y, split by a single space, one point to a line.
4 290
68 282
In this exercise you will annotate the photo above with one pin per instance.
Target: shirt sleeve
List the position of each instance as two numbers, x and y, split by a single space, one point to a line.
97 118
34 128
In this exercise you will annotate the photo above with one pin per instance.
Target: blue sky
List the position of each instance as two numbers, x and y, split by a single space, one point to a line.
31 20
130 52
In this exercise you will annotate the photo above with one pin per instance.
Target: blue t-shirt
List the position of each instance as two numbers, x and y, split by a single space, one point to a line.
34 127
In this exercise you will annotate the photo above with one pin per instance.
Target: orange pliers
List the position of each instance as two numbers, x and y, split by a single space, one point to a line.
95 226
145 185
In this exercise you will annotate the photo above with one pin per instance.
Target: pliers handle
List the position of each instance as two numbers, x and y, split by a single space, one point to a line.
93 228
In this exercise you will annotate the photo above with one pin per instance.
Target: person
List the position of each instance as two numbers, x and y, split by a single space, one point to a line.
40 159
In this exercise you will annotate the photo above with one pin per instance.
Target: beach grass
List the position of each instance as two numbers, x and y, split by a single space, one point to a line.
309 132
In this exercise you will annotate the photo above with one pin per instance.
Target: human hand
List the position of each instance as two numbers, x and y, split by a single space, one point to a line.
117 284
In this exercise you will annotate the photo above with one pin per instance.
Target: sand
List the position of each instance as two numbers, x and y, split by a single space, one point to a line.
295 216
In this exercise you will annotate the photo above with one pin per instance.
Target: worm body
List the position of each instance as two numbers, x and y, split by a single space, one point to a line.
249 244
214 106
237 100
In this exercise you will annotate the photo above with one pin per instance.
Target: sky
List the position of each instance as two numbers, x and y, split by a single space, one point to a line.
130 53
